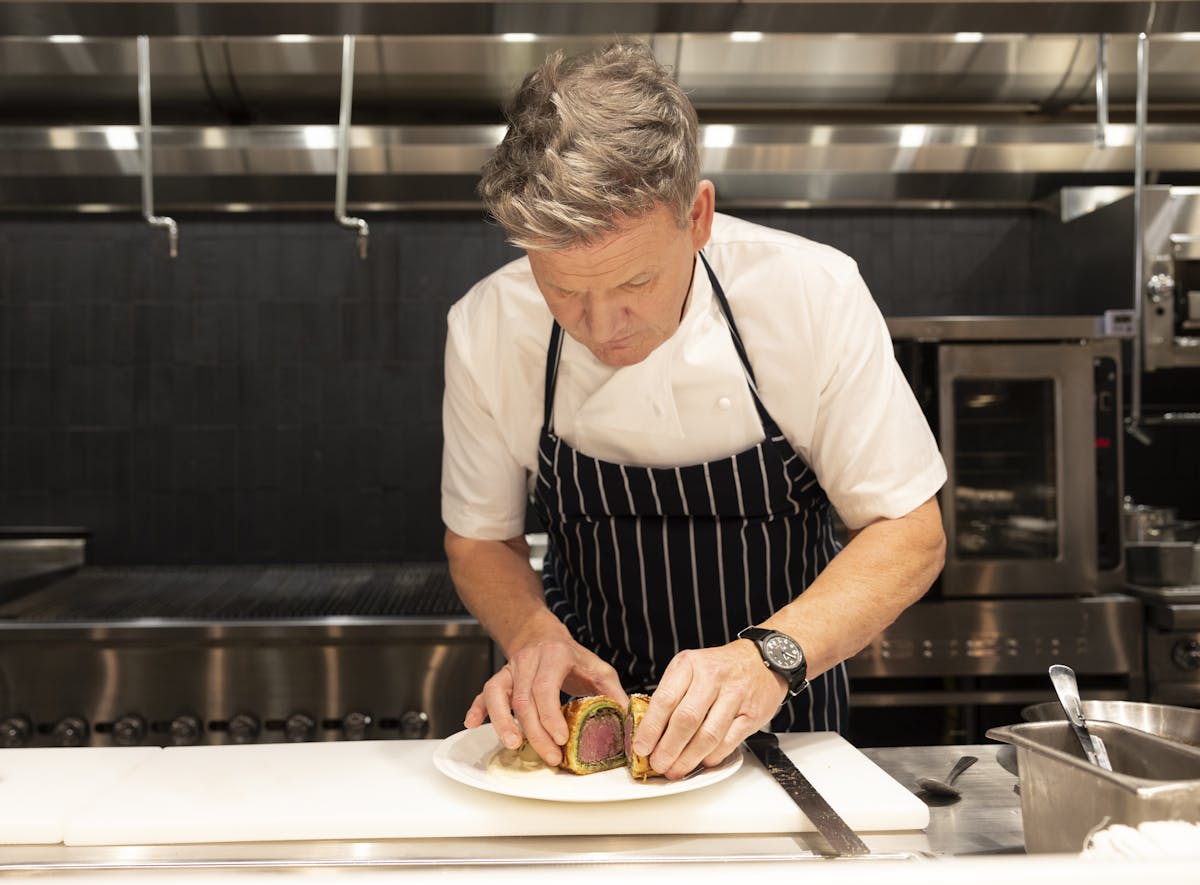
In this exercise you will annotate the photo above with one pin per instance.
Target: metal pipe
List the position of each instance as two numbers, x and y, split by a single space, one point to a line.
1101 90
143 67
1134 424
343 148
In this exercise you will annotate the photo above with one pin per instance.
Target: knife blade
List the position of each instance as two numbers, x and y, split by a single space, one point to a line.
842 839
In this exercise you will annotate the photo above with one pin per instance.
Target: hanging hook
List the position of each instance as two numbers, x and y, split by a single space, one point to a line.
343 148
143 66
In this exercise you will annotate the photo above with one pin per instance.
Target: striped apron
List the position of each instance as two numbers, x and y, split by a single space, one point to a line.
644 562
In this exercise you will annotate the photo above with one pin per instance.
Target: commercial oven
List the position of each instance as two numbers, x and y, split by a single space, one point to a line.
1027 412
1028 418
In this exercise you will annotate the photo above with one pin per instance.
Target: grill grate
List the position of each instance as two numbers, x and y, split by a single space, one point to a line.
242 593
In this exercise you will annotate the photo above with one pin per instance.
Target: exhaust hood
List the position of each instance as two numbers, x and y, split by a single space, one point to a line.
248 122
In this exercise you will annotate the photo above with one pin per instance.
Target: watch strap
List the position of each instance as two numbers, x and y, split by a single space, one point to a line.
797 678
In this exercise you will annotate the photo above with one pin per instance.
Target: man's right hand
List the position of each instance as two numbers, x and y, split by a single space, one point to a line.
524 695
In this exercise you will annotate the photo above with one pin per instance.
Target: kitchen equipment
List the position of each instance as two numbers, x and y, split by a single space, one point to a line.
985 658
391 789
1063 679
1144 522
946 787
1064 797
1163 563
841 838
1031 436
32 555
1164 720
241 654
1172 632
1170 239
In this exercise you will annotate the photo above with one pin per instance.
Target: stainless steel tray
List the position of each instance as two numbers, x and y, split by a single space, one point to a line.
1064 798
1163 563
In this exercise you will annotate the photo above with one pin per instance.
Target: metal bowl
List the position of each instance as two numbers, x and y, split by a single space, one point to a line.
1175 723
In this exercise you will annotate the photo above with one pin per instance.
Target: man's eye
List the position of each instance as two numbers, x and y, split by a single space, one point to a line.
638 284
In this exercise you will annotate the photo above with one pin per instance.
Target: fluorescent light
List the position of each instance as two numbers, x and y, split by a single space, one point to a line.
319 138
66 38
912 135
294 38
121 138
746 36
718 135
1188 35
968 37
518 37
820 136
63 138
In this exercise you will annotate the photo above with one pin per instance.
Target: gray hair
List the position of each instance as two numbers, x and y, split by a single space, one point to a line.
592 140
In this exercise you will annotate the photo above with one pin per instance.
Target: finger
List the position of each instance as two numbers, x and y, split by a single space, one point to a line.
609 685
597 676
689 716
710 735
496 698
476 713
740 729
525 706
546 689
671 689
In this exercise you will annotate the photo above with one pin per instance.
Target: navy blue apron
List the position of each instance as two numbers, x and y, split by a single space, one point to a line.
644 562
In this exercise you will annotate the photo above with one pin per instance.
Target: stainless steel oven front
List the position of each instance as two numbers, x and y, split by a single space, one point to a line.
1028 417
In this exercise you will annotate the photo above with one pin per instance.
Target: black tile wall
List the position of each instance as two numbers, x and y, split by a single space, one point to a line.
268 397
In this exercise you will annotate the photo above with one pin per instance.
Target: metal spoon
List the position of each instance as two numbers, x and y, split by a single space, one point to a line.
946 788
1067 689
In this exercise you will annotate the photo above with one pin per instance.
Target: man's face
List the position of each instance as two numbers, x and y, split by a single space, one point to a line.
623 295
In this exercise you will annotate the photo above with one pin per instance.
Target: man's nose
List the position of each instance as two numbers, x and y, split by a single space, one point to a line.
605 318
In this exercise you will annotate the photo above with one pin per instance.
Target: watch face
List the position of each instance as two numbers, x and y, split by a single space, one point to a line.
782 651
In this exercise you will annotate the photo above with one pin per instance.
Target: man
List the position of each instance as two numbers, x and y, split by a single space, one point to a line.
685 422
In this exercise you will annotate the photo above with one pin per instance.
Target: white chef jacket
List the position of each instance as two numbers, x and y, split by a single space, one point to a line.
818 344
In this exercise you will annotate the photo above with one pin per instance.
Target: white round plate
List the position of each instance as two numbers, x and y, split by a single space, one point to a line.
464 757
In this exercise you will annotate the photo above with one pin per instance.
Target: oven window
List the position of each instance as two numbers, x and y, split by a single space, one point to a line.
1006 500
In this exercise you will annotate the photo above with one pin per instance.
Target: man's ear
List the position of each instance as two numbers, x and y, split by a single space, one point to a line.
701 216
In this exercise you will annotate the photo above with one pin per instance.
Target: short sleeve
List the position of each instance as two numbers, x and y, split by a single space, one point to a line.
871 448
483 484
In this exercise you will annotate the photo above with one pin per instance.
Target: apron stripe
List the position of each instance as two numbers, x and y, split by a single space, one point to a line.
645 562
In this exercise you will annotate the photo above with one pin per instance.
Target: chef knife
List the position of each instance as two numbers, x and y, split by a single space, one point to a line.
842 839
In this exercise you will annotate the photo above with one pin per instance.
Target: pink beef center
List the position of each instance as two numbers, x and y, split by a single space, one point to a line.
601 738
629 737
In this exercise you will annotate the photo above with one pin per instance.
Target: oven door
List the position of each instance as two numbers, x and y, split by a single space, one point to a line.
1019 433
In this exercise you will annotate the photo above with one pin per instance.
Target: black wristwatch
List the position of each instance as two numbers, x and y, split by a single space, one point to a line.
782 654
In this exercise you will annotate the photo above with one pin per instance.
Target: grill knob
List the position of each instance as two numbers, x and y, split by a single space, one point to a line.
185 730
70 731
129 730
299 728
243 729
15 731
414 725
355 725
1187 654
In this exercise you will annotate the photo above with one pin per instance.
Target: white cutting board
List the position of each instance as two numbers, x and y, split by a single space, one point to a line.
39 786
390 789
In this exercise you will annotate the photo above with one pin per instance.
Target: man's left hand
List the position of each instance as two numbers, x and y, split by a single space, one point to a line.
708 701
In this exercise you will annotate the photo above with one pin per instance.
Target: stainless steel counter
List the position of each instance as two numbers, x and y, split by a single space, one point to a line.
985 821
